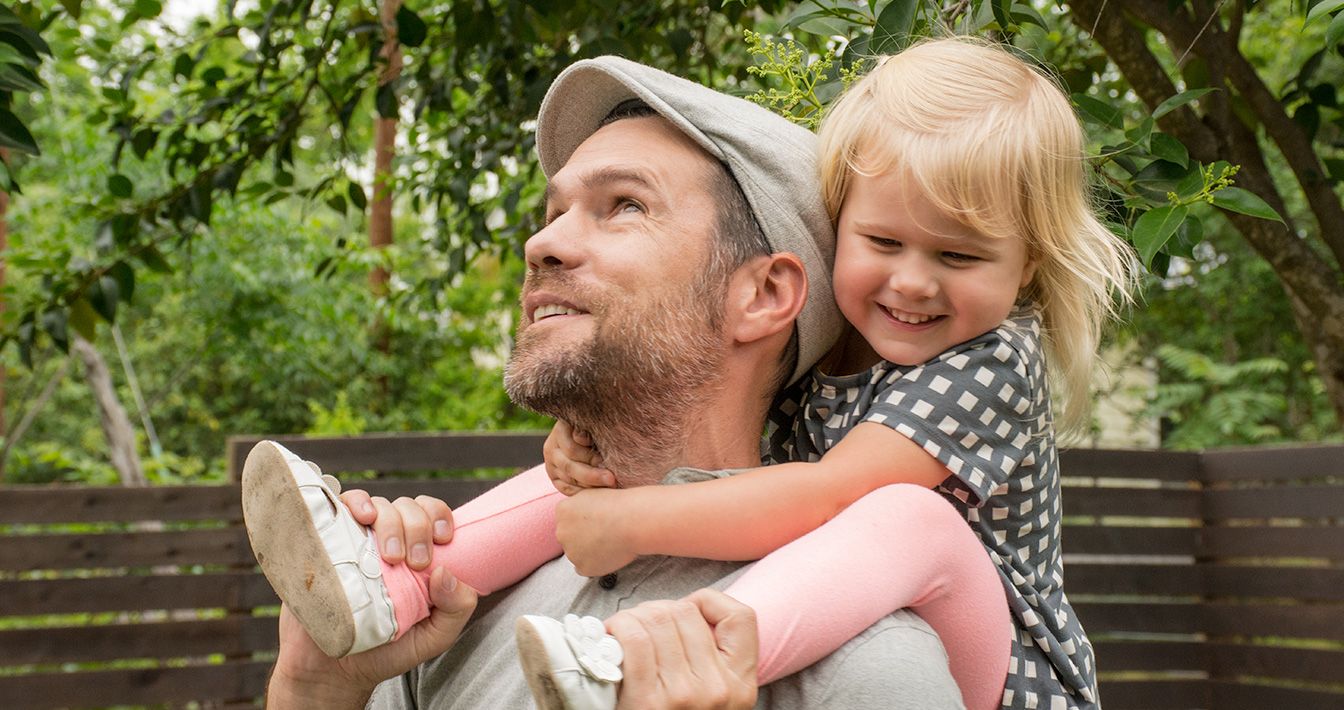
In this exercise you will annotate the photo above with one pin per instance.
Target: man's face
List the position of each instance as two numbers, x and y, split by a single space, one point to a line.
616 310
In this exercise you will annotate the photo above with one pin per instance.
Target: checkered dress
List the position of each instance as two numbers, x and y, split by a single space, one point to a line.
983 410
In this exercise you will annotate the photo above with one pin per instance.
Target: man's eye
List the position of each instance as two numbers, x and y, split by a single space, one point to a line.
628 205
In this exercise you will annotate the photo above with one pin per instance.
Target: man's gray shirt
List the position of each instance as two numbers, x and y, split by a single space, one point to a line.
897 663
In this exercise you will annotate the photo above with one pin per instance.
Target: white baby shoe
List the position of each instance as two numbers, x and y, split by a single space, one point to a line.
575 665
321 563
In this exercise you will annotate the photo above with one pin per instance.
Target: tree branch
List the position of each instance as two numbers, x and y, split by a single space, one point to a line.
1219 50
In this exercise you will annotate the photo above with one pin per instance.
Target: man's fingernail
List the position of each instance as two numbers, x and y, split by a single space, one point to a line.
392 548
442 528
449 581
366 508
419 554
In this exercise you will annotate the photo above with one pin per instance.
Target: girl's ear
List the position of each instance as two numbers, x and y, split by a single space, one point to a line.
1028 272
765 296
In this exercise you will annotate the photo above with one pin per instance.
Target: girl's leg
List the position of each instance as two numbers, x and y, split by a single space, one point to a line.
499 538
901 546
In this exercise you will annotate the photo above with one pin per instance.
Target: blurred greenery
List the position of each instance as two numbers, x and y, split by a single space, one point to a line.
203 186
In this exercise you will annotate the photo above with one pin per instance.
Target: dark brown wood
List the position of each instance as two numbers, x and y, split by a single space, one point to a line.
1135 502
1318 541
84 504
1231 661
404 452
1114 656
224 590
1130 540
1249 696
218 546
233 635
1154 694
1273 463
1302 583
1310 501
1146 465
1138 617
455 491
1176 580
1285 620
228 681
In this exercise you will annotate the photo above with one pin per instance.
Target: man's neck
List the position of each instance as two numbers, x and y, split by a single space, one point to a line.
724 433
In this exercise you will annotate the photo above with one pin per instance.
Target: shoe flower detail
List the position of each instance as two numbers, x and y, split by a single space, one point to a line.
598 653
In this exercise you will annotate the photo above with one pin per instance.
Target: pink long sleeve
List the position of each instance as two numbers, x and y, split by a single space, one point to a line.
499 538
901 546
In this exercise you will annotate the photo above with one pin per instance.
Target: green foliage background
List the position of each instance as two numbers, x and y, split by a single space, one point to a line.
206 189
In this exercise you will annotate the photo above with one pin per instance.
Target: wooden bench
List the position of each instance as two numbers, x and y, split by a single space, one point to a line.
1211 580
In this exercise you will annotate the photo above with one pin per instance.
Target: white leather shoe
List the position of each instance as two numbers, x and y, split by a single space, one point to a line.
573 665
322 564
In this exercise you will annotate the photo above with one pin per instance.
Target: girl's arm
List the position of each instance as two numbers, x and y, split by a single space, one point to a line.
740 517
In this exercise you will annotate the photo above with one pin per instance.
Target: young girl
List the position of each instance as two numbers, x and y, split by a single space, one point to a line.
967 259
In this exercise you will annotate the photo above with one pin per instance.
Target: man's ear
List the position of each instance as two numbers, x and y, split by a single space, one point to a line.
765 296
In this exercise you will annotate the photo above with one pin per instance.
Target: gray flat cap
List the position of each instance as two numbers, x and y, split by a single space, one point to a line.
773 160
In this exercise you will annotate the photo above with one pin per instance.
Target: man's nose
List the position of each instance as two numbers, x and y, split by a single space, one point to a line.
555 246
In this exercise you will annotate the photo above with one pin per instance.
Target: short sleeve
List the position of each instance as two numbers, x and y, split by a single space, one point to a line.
970 409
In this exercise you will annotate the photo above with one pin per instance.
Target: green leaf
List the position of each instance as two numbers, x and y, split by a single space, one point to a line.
125 277
411 30
336 202
74 7
1002 13
104 295
1168 148
119 185
148 9
1325 7
1190 233
1236 199
83 319
1140 133
1335 31
1178 101
1154 228
14 135
891 34
356 195
54 323
385 100
1099 112
1024 14
1190 185
143 141
153 259
201 201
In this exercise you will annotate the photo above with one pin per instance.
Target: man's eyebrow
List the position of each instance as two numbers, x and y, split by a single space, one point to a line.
605 177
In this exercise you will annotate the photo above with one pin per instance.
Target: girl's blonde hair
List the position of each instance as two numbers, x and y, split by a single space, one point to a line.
993 142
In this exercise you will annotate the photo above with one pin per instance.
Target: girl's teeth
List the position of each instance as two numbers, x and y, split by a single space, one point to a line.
910 318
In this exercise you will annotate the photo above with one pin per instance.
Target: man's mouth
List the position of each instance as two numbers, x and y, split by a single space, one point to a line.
553 309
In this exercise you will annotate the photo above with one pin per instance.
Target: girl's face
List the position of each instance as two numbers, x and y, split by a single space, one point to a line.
914 281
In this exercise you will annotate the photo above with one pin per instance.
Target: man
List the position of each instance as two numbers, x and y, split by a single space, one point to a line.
667 299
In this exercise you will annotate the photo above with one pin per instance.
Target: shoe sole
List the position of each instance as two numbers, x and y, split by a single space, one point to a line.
291 553
537 667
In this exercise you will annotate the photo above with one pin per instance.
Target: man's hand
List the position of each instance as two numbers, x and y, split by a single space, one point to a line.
304 677
406 529
594 526
572 462
699 652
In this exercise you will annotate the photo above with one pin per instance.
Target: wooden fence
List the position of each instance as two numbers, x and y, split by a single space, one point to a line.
1211 580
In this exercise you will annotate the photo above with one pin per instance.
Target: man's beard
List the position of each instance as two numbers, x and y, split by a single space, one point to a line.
635 382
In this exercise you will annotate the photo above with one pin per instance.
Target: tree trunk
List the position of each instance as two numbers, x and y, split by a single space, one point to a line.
1314 285
384 147
4 247
116 425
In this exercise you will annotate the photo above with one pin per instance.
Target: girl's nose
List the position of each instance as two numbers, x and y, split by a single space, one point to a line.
914 280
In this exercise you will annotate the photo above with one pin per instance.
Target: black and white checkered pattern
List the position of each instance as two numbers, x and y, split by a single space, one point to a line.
983 410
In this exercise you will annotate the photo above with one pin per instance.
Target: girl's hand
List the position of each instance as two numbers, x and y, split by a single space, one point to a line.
592 527
572 462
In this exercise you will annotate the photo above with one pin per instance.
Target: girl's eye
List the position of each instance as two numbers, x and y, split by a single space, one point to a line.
884 243
959 257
